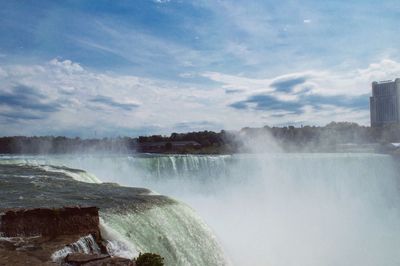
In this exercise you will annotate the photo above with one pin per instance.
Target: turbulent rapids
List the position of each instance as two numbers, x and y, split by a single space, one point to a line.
264 209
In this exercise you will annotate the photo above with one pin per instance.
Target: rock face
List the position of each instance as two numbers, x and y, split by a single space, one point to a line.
88 260
50 222
32 236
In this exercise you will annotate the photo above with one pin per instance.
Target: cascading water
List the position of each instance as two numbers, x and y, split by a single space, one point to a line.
86 245
270 209
133 219
174 231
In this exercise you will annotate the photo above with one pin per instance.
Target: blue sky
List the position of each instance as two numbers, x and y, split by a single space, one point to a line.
109 68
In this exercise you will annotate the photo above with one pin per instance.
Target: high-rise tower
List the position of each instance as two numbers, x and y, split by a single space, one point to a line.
385 103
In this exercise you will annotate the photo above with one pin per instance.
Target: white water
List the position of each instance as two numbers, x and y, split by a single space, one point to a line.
85 245
173 231
116 244
282 209
78 176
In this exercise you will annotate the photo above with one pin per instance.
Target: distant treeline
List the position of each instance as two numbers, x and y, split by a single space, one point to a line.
307 138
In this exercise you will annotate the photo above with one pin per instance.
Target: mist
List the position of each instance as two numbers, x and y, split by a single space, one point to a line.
276 208
267 206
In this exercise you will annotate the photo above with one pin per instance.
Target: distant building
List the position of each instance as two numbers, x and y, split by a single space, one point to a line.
385 103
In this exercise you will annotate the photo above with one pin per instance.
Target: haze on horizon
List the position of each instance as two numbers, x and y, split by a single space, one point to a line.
79 68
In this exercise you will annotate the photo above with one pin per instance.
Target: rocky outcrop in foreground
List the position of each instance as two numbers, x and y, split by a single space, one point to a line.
50 222
44 236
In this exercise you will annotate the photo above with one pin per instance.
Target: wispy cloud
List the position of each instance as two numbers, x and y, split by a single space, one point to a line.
63 94
298 96
24 97
264 102
164 38
162 1
287 85
20 115
112 103
175 65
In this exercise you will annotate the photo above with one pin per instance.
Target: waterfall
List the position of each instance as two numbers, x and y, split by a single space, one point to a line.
265 209
169 228
174 231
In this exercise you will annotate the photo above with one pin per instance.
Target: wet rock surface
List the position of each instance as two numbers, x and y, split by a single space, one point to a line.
50 222
32 236
32 250
78 259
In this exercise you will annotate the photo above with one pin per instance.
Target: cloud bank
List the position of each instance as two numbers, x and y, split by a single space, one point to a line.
64 97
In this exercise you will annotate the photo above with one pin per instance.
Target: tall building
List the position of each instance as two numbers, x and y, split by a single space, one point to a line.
385 103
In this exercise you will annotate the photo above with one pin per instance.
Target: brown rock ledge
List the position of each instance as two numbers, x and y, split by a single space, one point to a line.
50 222
31 236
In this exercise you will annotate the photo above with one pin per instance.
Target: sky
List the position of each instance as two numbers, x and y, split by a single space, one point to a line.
100 68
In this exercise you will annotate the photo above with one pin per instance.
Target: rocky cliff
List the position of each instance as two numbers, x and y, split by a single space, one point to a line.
49 236
50 222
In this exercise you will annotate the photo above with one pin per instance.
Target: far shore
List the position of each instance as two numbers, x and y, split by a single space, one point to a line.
334 137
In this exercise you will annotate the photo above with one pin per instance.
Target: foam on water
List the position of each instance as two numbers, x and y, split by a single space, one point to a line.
116 244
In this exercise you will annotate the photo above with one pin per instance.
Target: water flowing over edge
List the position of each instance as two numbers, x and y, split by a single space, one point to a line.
276 209
173 230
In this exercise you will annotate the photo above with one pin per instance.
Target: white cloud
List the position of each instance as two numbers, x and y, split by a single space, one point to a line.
140 47
186 75
237 14
307 21
321 82
355 83
66 65
3 73
107 102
